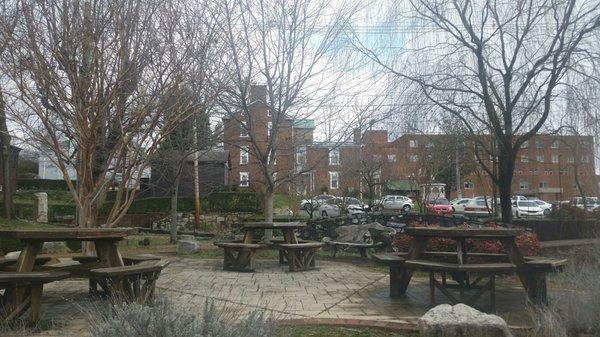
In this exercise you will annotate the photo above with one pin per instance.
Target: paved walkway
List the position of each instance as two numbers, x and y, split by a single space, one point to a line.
336 290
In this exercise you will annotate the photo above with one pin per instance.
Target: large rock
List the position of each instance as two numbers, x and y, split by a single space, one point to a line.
40 207
187 247
185 237
13 255
359 233
461 321
53 247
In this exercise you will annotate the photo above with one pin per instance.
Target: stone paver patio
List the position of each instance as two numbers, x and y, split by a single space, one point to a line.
336 290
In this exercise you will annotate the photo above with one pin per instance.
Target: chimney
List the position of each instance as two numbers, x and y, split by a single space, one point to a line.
258 93
357 135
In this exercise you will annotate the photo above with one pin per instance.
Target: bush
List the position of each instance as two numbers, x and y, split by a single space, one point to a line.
42 184
10 245
164 320
74 246
575 309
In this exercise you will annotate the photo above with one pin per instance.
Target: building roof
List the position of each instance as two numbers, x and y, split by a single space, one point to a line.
304 124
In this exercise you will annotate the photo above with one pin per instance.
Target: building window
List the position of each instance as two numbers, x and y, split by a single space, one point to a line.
391 158
554 144
548 171
524 185
376 158
301 155
413 143
429 143
539 144
555 159
585 159
543 184
269 129
525 145
243 129
540 158
334 157
334 180
520 172
269 157
571 159
524 159
244 157
414 158
468 185
244 179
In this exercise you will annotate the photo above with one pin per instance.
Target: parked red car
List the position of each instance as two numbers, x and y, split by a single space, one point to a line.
439 206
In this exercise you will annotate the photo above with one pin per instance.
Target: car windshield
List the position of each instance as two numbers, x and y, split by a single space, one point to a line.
539 202
440 202
524 203
480 202
352 201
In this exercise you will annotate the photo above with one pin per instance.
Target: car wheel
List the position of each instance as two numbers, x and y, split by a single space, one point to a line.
406 208
324 214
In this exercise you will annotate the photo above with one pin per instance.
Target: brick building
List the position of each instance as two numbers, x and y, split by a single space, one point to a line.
549 166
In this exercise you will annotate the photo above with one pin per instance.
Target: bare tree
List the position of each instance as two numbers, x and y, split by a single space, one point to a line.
286 45
496 66
9 15
93 75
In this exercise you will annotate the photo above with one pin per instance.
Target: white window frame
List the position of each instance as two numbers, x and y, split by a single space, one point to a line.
334 156
301 152
524 185
540 158
269 129
413 158
391 158
244 155
333 174
554 145
244 130
555 159
244 179
525 159
413 143
377 158
543 184
468 185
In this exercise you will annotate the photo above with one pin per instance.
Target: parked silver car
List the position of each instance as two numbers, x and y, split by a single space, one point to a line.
313 203
340 206
395 202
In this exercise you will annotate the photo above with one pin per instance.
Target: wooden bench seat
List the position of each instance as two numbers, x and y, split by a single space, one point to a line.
537 268
299 256
127 259
9 264
33 282
239 256
545 264
455 267
360 246
132 283
389 259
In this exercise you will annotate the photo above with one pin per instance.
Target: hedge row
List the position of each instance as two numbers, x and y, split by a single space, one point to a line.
221 202
42 185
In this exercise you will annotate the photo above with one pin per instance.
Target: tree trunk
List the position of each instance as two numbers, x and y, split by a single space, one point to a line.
174 196
268 213
5 159
457 174
506 163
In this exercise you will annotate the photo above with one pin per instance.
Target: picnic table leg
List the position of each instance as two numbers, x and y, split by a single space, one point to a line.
289 236
537 292
248 236
36 301
108 253
25 263
416 249
515 257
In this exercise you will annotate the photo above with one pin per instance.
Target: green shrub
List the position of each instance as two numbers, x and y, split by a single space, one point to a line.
42 184
10 245
74 246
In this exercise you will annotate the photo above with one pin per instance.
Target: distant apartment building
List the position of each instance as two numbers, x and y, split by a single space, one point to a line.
551 167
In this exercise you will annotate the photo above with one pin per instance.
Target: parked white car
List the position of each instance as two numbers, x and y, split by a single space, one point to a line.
545 206
395 202
479 207
527 209
339 206
591 203
315 202
459 204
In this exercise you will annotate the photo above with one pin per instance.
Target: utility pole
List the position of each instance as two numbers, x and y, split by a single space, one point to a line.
457 171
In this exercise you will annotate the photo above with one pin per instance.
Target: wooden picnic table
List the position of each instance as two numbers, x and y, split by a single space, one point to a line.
287 228
416 258
105 241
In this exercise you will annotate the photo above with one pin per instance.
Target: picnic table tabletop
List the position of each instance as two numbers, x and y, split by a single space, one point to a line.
457 232
64 234
272 225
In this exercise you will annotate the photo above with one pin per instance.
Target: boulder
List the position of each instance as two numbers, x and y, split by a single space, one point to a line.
187 247
184 237
53 247
40 207
359 233
461 321
13 255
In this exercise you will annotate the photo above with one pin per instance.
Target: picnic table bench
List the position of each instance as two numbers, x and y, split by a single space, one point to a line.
531 270
241 255
11 306
132 283
9 264
360 246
